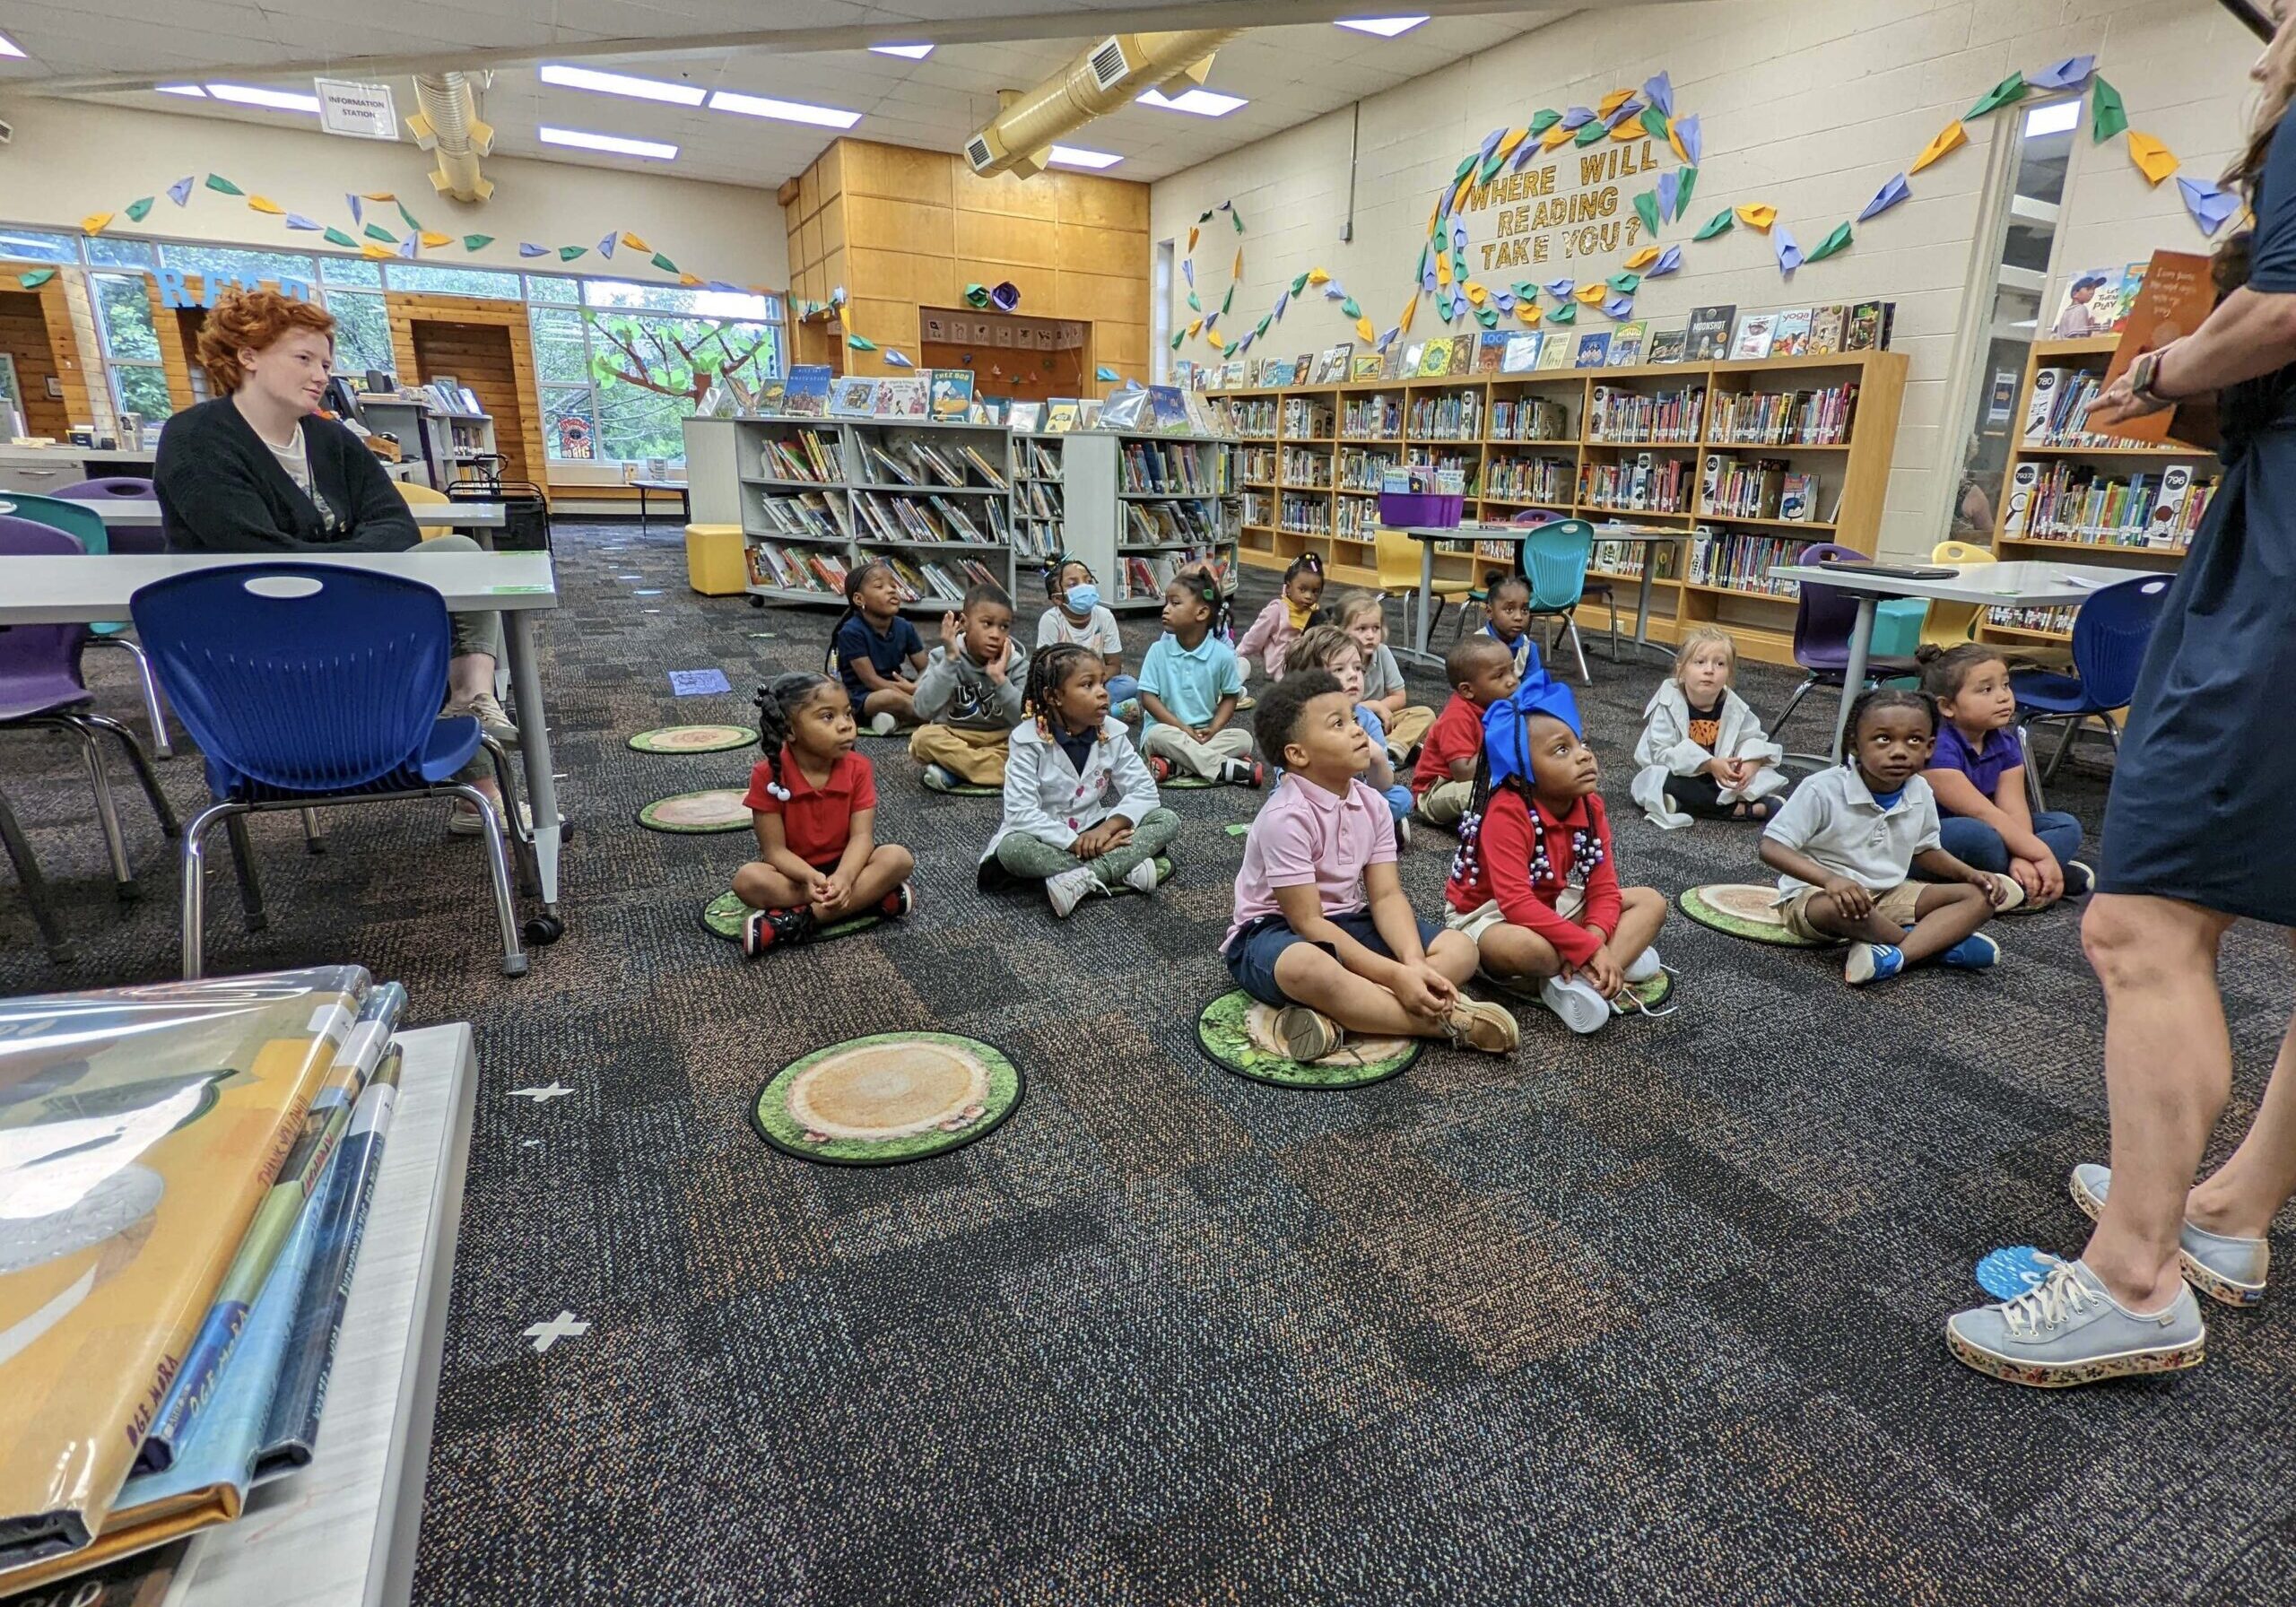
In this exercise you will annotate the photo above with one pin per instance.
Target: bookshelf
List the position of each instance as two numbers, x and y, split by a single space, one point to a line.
1039 498
1626 443
1140 504
2081 498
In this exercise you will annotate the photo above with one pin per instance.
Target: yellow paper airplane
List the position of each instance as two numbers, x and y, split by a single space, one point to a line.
2152 158
1761 214
1951 137
263 203
1642 259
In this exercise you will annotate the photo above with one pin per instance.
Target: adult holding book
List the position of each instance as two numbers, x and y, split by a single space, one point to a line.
257 470
2195 839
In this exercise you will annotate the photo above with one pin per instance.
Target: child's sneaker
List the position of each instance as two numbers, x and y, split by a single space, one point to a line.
1403 832
1307 1036
940 778
896 905
2070 1331
1127 711
1243 772
1161 768
1975 952
1069 889
2223 1268
1478 1024
1578 1003
1643 966
775 928
1872 962
2079 881
1143 877
884 723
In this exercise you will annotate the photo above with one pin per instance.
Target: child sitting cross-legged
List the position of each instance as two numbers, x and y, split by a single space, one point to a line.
1535 882
1328 648
1850 836
970 694
1482 673
1080 806
1291 611
1507 601
1323 931
1078 615
1702 750
1362 614
1188 686
813 803
875 651
1978 775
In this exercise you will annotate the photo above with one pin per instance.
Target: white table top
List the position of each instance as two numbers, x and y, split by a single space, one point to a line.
145 511
464 516
1610 530
2020 584
342 1532
82 589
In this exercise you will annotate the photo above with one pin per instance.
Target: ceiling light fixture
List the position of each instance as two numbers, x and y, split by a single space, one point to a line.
653 150
9 47
1074 156
248 94
1202 103
192 89
788 111
914 52
620 84
1387 28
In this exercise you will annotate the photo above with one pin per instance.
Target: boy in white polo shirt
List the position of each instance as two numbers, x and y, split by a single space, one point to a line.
1848 837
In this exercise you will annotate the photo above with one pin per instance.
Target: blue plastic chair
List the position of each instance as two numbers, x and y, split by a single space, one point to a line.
311 685
1555 557
2109 635
80 519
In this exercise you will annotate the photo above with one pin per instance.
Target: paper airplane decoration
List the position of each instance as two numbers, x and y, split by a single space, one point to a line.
335 237
1390 338
1950 138
1670 187
1260 328
406 247
1488 316
1669 260
529 248
1541 121
1335 292
1528 311
2211 207
2152 158
1620 116
479 242
2012 88
296 220
1477 294
1219 341
1194 302
2062 74
1720 222
1561 289
1838 239
434 241
94 222
138 209
267 206
1105 374
2107 116
1689 176
1626 284
635 244
1504 300
358 210
977 295
1234 216
1350 308
897 358
1559 134
1620 307
409 218
664 263
1410 311
1642 259
1591 295
607 246
380 234
1758 215
223 185
1568 313
1282 302
569 253
1588 133
35 277
1188 271
1192 236
1237 270
1646 207
1789 253
1891 193
860 343
1318 275
1578 117
1690 140
1653 123
1364 331
1660 92
1298 285
1611 103
179 191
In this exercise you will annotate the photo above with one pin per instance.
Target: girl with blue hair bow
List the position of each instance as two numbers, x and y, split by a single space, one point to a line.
1535 882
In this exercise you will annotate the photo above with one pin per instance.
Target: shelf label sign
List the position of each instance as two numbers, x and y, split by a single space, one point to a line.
361 110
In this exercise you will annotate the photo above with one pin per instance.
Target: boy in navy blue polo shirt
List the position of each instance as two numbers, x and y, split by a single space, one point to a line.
871 647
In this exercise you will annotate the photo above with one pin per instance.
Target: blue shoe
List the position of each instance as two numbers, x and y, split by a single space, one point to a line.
1872 962
2227 1270
1975 952
2070 1331
940 778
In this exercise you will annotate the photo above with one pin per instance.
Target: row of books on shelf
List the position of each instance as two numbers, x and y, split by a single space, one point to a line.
1304 419
807 454
912 460
1618 557
1616 414
1372 418
2058 406
1309 469
1039 499
1529 419
1193 469
1146 574
930 518
1644 483
1037 540
2057 620
1036 459
1763 488
1447 415
1259 466
2076 502
809 516
1528 479
1306 516
1810 418
1152 524
1361 471
1741 562
821 573
812 392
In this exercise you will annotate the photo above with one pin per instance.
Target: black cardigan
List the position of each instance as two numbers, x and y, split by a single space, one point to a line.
222 490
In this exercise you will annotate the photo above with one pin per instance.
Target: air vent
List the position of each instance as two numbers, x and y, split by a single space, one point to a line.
1109 68
978 153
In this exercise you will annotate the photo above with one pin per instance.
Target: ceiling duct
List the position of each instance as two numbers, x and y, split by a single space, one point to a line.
447 124
1102 78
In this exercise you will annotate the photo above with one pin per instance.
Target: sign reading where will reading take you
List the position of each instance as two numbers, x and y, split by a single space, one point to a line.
361 110
1574 206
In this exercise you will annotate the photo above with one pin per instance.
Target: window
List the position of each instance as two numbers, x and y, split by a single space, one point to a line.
362 333
357 272
25 245
556 289
131 344
674 298
227 262
110 251
437 280
675 357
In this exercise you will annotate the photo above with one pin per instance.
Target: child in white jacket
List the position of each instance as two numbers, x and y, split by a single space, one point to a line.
1080 813
1703 752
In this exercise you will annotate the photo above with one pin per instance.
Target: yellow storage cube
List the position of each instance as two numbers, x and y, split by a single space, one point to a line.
717 563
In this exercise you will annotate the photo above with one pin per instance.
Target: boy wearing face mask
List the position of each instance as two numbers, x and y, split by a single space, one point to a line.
1077 615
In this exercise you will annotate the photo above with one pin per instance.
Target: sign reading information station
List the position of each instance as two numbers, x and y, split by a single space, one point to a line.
1576 204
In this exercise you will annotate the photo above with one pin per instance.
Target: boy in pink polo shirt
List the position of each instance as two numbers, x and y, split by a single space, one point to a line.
1323 931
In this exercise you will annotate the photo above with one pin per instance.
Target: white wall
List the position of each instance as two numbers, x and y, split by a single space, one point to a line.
1809 105
71 159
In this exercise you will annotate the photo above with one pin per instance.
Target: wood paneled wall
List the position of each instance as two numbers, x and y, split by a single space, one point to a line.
36 330
903 229
488 346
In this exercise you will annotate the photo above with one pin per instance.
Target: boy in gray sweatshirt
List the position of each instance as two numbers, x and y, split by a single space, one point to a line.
970 694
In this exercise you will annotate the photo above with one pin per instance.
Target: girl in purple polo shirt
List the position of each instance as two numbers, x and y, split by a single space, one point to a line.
1978 772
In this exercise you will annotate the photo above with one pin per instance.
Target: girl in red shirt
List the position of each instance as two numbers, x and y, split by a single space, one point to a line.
1535 882
814 802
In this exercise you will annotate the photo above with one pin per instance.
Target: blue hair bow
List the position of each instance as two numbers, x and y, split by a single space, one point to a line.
1503 743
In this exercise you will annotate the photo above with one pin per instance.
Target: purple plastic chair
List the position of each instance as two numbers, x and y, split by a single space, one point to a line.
142 541
1822 623
40 688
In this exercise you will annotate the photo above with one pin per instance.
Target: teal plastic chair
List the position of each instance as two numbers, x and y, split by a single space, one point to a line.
80 520
1555 557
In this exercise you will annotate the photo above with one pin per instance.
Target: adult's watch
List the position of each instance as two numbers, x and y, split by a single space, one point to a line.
2144 378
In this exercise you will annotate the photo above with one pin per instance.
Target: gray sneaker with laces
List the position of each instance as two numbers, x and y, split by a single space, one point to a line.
2227 1270
2070 1331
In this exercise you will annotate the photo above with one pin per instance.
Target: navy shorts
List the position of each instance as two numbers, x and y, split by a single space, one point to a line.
1251 958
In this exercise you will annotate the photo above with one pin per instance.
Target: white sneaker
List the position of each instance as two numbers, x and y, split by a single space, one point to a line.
492 718
884 724
1403 832
1581 1006
1069 889
1143 877
1645 967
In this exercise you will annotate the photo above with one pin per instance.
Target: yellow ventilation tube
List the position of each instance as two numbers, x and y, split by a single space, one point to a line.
1102 78
449 125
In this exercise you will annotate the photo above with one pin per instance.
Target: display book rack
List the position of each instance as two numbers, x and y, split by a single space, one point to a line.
1140 504
448 446
2075 496
1759 457
816 496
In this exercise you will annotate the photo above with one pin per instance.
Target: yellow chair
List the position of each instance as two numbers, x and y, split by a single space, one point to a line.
1950 624
423 496
1400 558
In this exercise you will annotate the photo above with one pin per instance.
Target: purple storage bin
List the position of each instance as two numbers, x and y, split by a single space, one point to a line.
1401 511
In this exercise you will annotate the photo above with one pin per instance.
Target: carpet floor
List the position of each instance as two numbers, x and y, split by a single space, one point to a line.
1653 1316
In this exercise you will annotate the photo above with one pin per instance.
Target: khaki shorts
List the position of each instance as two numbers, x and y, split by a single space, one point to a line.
1898 904
1568 904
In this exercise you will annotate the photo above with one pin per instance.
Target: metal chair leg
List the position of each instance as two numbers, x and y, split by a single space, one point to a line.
497 871
1611 597
19 855
2064 746
141 765
313 843
234 827
1570 628
1792 704
194 882
107 809
505 776
2033 771
155 708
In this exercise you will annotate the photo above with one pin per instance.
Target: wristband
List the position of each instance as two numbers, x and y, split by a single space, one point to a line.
2144 379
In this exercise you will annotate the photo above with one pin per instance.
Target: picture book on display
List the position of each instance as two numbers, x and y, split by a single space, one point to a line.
1555 351
1827 326
1332 368
2176 297
1435 358
1489 347
902 397
1793 337
808 394
1370 365
1594 350
1668 345
853 399
1399 362
952 395
1756 332
1710 333
1869 327
1167 409
1626 343
1462 354
1521 354
1060 415
2092 304
1027 416
1302 367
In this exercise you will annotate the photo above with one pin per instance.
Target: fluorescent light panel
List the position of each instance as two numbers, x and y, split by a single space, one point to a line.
613 143
249 94
786 111
1202 103
914 52
192 89
620 84
1387 28
1072 156
9 47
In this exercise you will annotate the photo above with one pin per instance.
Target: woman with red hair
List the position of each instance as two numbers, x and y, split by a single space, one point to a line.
257 470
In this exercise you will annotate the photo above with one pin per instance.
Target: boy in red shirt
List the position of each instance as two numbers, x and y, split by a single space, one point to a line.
1535 882
1482 671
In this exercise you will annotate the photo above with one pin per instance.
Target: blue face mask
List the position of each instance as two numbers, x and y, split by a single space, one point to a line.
1083 598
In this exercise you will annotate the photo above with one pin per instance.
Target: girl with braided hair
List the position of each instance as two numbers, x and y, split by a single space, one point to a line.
813 801
1535 882
1080 813
1291 611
